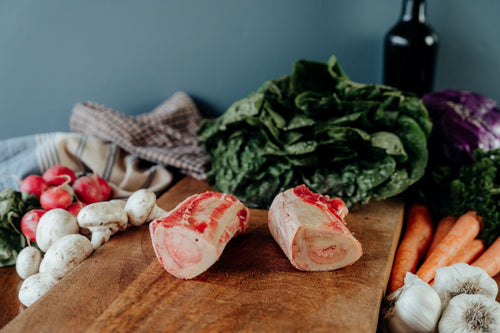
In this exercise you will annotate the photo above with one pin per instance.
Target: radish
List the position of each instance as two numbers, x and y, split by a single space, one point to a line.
75 207
34 184
56 197
87 189
29 223
59 174
105 188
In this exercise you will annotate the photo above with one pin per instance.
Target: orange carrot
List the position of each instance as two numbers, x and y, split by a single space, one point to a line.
413 246
465 229
470 252
490 259
443 227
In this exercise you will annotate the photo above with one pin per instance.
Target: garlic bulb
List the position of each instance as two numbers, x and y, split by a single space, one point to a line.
415 307
462 278
471 313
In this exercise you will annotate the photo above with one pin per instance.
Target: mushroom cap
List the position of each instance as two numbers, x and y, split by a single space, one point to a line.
102 213
35 286
53 225
139 206
65 254
28 262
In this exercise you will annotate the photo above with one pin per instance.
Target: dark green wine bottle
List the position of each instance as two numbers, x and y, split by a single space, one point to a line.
410 51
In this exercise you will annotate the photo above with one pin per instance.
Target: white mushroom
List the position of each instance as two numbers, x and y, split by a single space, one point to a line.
141 207
65 254
35 287
53 225
103 219
28 261
101 235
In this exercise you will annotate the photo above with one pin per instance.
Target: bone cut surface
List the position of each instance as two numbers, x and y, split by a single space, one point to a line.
189 239
311 231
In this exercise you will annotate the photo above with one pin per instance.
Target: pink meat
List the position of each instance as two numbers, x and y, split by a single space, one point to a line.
311 231
191 237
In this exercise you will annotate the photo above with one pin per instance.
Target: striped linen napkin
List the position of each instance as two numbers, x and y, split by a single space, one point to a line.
33 154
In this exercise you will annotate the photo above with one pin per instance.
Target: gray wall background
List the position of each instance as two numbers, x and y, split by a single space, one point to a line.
131 55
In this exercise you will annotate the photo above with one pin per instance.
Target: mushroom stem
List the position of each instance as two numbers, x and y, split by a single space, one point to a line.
103 219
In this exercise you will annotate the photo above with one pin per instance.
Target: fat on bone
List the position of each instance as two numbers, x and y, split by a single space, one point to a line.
190 239
311 231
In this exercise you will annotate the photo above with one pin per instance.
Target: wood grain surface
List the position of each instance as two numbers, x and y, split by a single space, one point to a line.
253 286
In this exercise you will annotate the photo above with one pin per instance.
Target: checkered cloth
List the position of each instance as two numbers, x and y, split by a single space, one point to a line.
130 152
166 135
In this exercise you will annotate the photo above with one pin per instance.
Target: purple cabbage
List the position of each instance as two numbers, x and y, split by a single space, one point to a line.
463 121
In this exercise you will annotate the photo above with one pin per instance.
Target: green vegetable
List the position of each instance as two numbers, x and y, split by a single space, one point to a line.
13 205
317 127
452 190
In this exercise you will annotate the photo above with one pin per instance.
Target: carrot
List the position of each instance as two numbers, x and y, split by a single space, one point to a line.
442 228
413 246
490 259
470 252
465 229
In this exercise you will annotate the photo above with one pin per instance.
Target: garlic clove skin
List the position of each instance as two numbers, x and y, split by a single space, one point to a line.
470 313
415 307
460 279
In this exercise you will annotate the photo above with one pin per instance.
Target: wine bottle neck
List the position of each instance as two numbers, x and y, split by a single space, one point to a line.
413 10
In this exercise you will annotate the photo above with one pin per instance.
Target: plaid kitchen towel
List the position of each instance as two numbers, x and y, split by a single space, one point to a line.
33 154
165 136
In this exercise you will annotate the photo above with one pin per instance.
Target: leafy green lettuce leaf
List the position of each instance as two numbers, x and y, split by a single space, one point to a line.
317 127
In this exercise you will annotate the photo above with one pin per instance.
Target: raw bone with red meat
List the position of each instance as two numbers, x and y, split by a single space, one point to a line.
311 231
191 237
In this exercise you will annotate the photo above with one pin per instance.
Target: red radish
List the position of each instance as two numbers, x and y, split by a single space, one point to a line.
56 197
87 189
75 207
34 184
105 188
29 222
59 174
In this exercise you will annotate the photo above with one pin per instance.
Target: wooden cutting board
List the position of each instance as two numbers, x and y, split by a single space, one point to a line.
121 287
